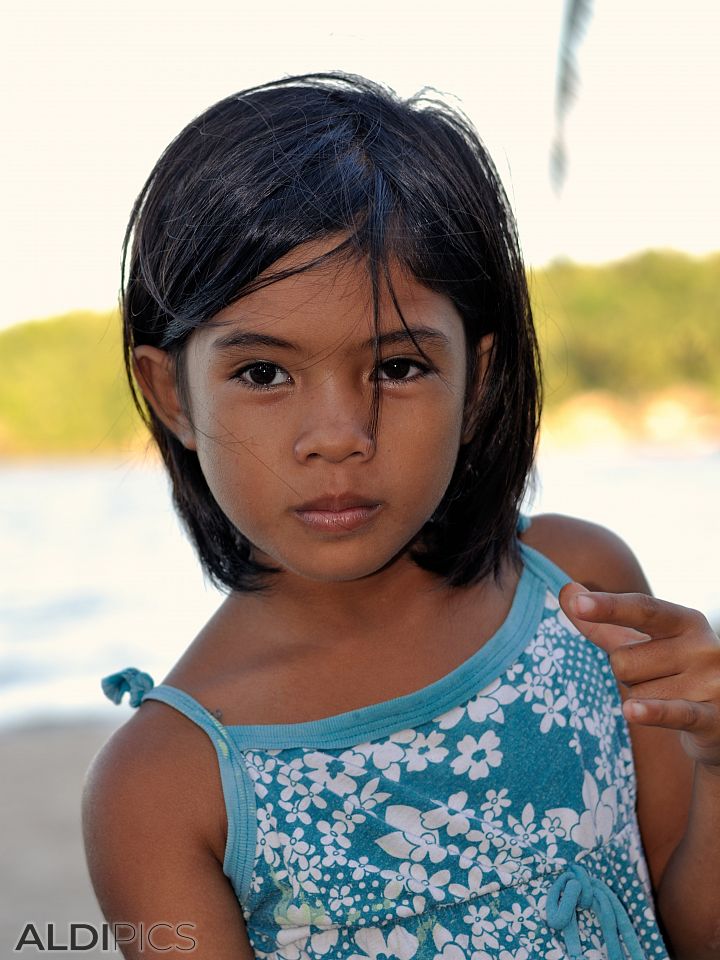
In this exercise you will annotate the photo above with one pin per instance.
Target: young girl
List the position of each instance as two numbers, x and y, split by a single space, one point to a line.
401 735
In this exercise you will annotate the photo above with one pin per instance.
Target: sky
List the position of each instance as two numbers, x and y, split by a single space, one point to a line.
95 91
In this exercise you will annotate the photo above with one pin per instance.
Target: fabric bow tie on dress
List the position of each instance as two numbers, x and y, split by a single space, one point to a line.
575 889
132 681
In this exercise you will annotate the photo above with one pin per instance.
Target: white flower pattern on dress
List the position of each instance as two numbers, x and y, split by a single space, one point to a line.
440 839
400 944
477 756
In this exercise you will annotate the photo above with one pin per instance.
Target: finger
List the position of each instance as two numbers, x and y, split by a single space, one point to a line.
688 715
696 679
645 661
649 615
608 636
677 687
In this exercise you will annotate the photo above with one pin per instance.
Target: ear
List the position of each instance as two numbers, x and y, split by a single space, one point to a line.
470 414
154 371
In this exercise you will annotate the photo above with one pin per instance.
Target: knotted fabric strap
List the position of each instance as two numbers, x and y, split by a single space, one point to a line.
130 680
576 889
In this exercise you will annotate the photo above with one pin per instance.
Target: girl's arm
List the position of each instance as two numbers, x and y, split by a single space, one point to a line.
151 839
676 675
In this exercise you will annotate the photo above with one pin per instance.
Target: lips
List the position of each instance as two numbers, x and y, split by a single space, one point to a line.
348 511
345 501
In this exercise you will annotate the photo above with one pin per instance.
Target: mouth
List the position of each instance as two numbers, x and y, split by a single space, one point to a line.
337 503
349 518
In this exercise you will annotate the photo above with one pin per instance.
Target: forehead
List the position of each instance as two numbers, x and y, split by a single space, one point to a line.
333 302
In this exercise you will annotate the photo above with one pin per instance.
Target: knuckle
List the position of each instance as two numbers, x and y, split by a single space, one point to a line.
660 709
610 602
697 618
707 665
690 714
647 605
620 662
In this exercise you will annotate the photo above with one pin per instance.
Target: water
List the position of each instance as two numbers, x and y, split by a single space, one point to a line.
97 575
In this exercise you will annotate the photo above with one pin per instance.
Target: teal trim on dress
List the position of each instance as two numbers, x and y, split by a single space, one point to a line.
379 719
551 574
238 791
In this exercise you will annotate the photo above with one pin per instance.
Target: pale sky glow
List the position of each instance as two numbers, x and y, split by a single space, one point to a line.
94 92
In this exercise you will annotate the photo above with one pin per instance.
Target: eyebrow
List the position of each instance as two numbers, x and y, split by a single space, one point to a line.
247 339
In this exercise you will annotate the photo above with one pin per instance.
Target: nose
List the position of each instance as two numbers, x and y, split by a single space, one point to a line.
334 426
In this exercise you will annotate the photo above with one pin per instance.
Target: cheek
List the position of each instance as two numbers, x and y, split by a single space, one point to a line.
247 497
431 432
241 474
240 445
422 450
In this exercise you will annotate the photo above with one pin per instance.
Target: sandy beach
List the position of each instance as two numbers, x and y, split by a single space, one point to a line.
44 877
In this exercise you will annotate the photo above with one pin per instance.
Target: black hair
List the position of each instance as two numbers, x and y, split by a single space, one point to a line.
307 157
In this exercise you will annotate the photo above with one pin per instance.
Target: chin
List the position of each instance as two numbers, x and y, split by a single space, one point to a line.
335 572
339 566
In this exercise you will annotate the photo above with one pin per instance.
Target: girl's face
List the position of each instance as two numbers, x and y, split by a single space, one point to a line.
280 416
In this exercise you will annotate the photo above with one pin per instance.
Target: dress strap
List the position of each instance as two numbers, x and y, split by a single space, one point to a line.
550 573
238 790
194 711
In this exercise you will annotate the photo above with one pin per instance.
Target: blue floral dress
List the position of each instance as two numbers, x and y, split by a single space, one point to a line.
487 816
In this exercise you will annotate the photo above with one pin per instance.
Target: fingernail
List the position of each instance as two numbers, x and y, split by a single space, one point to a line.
584 603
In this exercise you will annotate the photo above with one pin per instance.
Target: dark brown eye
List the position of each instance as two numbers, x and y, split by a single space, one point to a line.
398 369
261 375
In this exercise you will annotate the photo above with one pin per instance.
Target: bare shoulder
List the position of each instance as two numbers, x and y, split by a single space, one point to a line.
141 806
140 777
152 824
588 552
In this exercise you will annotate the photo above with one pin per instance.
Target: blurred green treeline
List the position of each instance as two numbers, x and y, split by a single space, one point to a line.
63 388
632 328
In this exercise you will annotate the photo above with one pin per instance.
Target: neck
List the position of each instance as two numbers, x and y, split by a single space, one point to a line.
295 610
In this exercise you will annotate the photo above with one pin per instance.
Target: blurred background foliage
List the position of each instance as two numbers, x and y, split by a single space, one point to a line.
627 330
63 388
632 328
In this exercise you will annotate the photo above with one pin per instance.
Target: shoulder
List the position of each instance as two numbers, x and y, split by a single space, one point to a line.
149 816
137 787
588 552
